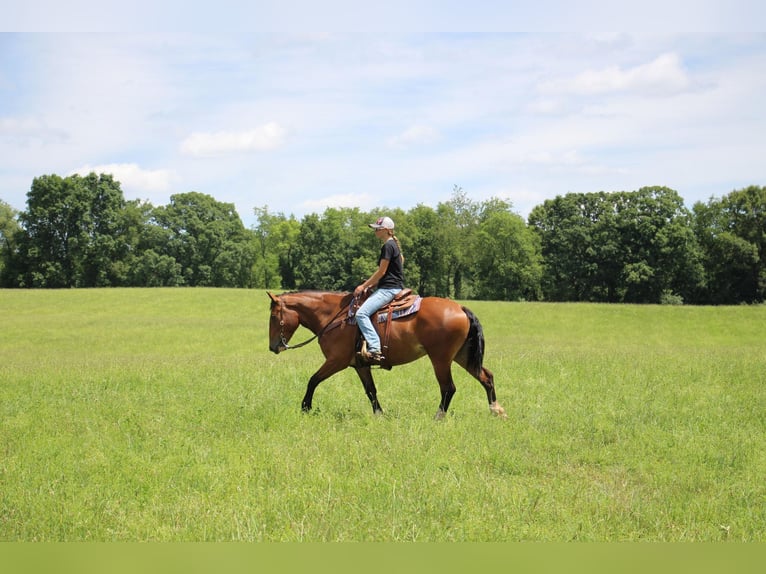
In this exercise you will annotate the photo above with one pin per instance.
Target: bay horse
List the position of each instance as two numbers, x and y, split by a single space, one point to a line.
441 329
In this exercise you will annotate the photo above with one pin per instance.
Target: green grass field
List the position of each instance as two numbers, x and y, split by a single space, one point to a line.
159 414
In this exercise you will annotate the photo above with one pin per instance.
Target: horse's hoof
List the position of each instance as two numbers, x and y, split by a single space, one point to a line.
440 414
497 410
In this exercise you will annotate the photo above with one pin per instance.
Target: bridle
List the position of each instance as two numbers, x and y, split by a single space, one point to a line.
318 334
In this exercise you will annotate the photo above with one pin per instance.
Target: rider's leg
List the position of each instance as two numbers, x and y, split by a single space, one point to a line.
367 309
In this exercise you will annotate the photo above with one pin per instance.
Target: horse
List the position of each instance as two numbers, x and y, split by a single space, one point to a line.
441 329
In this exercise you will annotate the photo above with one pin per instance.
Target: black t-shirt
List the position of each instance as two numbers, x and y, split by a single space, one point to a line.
394 276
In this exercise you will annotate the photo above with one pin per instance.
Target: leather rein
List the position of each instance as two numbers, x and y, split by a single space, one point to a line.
318 334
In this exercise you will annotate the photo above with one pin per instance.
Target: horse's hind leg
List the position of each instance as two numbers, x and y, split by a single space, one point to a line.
365 375
487 380
443 373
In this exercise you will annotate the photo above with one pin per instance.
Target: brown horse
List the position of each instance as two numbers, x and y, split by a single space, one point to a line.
441 329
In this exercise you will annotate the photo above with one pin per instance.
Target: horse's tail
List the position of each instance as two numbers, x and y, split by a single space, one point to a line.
474 344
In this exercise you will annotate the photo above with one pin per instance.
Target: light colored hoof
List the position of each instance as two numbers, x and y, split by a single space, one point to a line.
497 410
440 414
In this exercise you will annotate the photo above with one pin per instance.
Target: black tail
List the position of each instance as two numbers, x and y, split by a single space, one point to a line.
475 343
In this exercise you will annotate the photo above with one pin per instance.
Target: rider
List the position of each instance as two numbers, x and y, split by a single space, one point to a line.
389 279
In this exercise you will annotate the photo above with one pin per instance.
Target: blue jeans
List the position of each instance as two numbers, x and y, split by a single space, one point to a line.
373 303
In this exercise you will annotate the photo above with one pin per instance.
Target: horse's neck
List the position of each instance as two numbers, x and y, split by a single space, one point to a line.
316 310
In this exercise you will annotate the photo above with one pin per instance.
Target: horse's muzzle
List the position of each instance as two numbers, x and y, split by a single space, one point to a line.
277 348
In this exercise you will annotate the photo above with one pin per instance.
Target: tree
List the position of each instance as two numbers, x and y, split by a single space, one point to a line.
151 269
458 219
69 231
207 239
639 246
660 253
9 236
276 237
625 246
568 234
508 262
104 248
428 252
333 252
732 232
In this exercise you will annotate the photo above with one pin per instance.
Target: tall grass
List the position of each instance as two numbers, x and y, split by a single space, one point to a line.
159 414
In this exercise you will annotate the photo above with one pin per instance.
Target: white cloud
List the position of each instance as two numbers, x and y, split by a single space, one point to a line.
535 112
133 177
664 75
209 144
414 135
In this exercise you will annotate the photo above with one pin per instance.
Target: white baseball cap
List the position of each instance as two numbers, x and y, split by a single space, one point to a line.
382 223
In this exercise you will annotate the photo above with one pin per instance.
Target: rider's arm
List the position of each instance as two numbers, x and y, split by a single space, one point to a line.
374 278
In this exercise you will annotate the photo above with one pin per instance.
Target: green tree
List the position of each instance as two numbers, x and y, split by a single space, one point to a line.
104 248
660 253
507 260
566 226
732 232
334 253
151 269
276 237
9 236
207 239
458 220
70 226
426 253
626 246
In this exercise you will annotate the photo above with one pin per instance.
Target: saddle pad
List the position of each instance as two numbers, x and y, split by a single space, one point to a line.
383 316
399 313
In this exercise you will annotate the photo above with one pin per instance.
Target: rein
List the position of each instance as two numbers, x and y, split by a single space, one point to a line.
318 334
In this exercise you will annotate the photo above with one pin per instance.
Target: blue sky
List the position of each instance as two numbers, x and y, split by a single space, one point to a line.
320 116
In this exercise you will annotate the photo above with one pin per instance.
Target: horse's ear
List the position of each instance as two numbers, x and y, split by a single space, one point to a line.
274 299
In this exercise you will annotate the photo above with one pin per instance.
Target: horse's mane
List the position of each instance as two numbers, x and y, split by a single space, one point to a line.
317 291
344 295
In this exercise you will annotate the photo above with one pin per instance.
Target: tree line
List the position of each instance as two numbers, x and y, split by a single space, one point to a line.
641 246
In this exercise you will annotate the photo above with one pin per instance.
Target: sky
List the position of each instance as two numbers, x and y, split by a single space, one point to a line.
390 114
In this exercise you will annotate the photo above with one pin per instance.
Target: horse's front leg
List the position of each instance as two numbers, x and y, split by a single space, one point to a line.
446 386
328 369
309 396
365 375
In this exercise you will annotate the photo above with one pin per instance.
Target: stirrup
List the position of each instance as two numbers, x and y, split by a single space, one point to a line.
375 358
371 359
